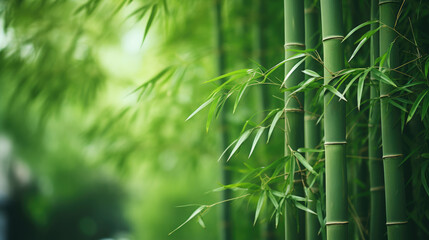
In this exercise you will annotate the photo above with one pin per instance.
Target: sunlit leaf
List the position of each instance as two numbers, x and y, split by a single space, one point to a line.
240 141
273 124
259 206
255 141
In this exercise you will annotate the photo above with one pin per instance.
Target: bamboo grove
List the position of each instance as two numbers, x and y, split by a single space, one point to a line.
353 122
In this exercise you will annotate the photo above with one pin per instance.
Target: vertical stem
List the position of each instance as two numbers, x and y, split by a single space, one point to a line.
294 114
335 123
377 228
391 131
226 219
311 130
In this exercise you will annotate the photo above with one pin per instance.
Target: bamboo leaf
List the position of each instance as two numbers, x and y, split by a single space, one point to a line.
359 27
273 124
240 141
416 105
240 71
291 71
304 85
240 94
311 73
150 20
259 206
310 150
273 199
425 107
336 92
193 215
200 108
211 112
382 77
358 48
201 222
281 63
304 162
360 88
304 208
255 141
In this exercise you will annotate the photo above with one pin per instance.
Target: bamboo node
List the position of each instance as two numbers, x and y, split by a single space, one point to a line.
310 10
310 117
294 110
384 2
384 95
340 37
337 223
335 143
379 188
296 44
392 156
396 223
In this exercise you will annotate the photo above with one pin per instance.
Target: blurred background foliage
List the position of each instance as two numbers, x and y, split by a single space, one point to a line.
92 118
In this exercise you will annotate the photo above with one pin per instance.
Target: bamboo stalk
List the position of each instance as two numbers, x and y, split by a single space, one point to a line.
311 130
335 124
377 228
396 217
294 114
226 218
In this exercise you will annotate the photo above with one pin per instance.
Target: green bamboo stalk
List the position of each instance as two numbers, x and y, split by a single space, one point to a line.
294 114
396 217
335 124
311 130
377 228
226 218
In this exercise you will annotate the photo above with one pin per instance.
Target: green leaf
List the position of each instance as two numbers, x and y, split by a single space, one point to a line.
193 215
359 27
211 112
240 141
304 208
230 145
360 88
273 199
259 206
150 20
304 162
351 82
255 141
273 124
240 94
304 85
416 105
291 71
200 108
358 48
201 222
310 150
425 107
236 72
311 73
335 91
382 77
281 63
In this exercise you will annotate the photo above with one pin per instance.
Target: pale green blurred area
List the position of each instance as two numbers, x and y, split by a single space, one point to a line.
99 160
